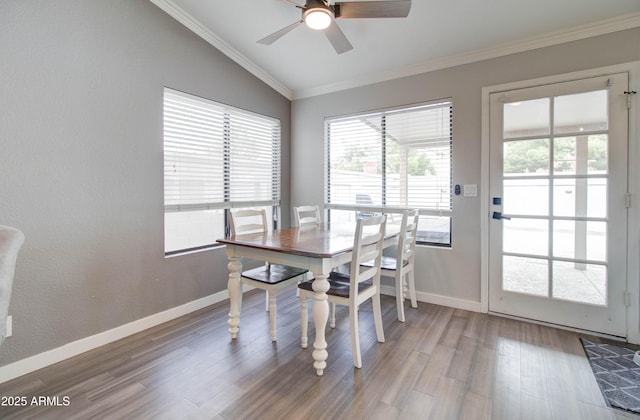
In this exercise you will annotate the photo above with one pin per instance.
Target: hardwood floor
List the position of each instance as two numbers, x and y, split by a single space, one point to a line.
442 363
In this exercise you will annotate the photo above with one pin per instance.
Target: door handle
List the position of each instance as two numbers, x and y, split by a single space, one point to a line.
497 215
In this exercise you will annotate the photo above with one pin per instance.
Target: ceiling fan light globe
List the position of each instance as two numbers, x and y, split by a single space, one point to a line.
317 18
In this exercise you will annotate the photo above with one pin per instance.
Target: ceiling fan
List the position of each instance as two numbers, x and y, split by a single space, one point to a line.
322 15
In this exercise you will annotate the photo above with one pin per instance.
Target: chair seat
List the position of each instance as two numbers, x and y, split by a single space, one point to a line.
338 285
387 263
273 275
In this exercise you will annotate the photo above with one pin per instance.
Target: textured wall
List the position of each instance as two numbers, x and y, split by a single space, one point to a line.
453 273
81 85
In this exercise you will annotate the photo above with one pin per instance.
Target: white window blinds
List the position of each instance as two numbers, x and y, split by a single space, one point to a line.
217 156
391 160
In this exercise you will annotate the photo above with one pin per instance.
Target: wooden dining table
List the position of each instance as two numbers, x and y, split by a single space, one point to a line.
318 248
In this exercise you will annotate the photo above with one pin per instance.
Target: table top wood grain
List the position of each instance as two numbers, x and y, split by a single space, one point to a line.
319 241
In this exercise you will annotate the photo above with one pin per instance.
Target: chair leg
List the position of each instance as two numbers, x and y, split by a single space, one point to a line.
412 289
355 337
272 314
266 301
332 315
377 317
304 277
304 320
400 296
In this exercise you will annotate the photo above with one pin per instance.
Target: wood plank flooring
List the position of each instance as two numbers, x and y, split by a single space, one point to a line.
442 363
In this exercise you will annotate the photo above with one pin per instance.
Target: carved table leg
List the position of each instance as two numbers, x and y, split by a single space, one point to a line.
234 287
320 316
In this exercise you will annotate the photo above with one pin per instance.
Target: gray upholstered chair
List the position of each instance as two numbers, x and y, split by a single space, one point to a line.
11 240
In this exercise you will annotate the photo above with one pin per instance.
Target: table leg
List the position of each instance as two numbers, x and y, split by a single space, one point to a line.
234 287
320 316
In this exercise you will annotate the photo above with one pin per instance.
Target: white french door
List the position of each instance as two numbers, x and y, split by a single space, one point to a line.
558 203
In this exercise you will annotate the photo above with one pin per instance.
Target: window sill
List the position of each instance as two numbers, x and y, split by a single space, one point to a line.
192 251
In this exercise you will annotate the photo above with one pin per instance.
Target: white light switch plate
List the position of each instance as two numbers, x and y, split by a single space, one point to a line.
470 190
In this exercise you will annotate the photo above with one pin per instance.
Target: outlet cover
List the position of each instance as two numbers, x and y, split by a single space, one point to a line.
9 326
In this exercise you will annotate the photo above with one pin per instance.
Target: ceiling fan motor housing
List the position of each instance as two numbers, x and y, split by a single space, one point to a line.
318 4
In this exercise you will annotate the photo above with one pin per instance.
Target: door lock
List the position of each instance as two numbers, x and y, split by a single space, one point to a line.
497 215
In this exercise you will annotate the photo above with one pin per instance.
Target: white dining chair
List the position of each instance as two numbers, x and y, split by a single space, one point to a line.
11 240
306 215
404 276
269 277
361 284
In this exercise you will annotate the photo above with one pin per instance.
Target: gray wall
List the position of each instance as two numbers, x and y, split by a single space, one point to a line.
452 274
81 84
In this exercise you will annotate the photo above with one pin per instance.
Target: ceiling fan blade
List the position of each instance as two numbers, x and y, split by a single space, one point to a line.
337 38
373 9
270 39
293 3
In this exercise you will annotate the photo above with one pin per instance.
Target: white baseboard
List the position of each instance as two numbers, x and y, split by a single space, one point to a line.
38 361
467 305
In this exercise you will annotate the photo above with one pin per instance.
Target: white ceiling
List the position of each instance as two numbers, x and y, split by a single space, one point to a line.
436 34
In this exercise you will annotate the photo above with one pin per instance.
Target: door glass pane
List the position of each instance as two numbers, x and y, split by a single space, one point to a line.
585 111
585 283
526 236
526 118
526 157
580 240
525 275
528 197
580 197
580 155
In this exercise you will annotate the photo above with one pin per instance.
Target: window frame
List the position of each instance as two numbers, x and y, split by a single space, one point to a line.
237 130
390 209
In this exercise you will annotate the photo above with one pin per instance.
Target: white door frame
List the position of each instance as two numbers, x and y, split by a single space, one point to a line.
633 223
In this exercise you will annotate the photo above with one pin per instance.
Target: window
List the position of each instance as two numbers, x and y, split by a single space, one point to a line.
216 157
389 161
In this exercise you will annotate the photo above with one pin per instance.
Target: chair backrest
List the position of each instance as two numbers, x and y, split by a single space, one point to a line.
367 246
306 215
248 221
408 237
11 240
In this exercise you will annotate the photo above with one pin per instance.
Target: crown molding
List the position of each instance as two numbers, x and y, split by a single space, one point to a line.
620 23
603 27
199 29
